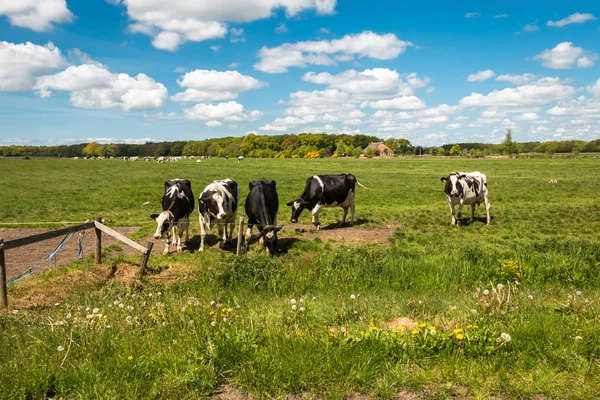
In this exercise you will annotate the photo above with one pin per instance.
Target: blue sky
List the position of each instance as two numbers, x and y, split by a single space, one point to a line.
434 72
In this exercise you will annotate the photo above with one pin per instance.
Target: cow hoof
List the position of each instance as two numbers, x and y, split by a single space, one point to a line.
165 252
180 249
201 248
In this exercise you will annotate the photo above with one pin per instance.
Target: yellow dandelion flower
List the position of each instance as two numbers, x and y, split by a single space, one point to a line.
459 336
414 332
38 341
475 327
151 315
400 328
237 316
469 326
431 327
229 309
374 328
130 358
457 331
212 313
422 325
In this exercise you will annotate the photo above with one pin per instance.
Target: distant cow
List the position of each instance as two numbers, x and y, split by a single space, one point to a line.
218 205
466 188
262 204
326 191
177 205
240 158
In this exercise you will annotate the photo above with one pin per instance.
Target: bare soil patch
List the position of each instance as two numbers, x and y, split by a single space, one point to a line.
344 233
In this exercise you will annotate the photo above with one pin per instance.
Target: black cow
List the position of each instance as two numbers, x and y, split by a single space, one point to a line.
326 191
177 205
262 204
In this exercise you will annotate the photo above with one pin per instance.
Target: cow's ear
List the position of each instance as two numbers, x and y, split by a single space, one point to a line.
291 203
462 177
444 179
154 216
277 228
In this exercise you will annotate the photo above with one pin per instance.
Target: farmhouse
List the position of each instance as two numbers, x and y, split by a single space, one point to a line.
380 149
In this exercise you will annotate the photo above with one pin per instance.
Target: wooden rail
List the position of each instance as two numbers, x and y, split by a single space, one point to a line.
98 228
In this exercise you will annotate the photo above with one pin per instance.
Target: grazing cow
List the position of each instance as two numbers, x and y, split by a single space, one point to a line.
177 205
466 188
240 158
218 205
262 204
326 191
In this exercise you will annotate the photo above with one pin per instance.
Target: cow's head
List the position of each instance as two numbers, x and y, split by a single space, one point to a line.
269 238
211 204
165 221
453 185
298 206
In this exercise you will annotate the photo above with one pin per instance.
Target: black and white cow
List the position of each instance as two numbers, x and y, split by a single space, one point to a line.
262 204
466 188
326 191
177 205
218 205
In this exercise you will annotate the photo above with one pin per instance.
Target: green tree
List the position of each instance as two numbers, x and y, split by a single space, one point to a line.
370 152
455 150
340 149
508 146
441 151
357 151
162 150
109 150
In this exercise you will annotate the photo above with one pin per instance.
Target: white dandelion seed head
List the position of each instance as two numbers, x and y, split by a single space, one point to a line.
116 302
314 298
301 300
530 297
578 338
505 336
196 303
420 302
87 309
95 311
174 341
224 319
352 296
293 301
498 340
302 309
486 292
500 286
121 305
343 329
69 315
149 294
130 308
433 332
578 293
15 311
212 303
494 290
158 294
107 326
294 307
60 348
214 323
191 322
473 311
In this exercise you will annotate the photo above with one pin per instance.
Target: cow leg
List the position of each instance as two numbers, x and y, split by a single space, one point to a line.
353 220
248 232
460 207
487 207
202 233
170 236
452 212
232 228
345 214
222 234
182 226
315 216
472 212
187 229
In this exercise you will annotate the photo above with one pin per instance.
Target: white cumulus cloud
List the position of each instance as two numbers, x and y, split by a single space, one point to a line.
481 76
565 56
229 111
20 63
38 15
93 86
301 54
174 22
576 18
516 80
398 103
526 95
210 85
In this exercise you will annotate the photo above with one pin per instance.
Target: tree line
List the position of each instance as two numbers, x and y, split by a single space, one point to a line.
303 145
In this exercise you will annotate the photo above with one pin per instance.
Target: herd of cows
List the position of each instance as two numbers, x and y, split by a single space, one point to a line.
218 205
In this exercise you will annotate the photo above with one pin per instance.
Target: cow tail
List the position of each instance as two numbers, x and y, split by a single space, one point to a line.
362 186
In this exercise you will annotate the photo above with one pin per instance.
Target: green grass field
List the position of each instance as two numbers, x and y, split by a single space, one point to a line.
506 311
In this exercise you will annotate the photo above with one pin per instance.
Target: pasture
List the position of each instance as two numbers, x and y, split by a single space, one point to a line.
435 311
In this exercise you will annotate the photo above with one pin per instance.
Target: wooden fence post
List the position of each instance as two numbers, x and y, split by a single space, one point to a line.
240 236
98 242
145 258
3 295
